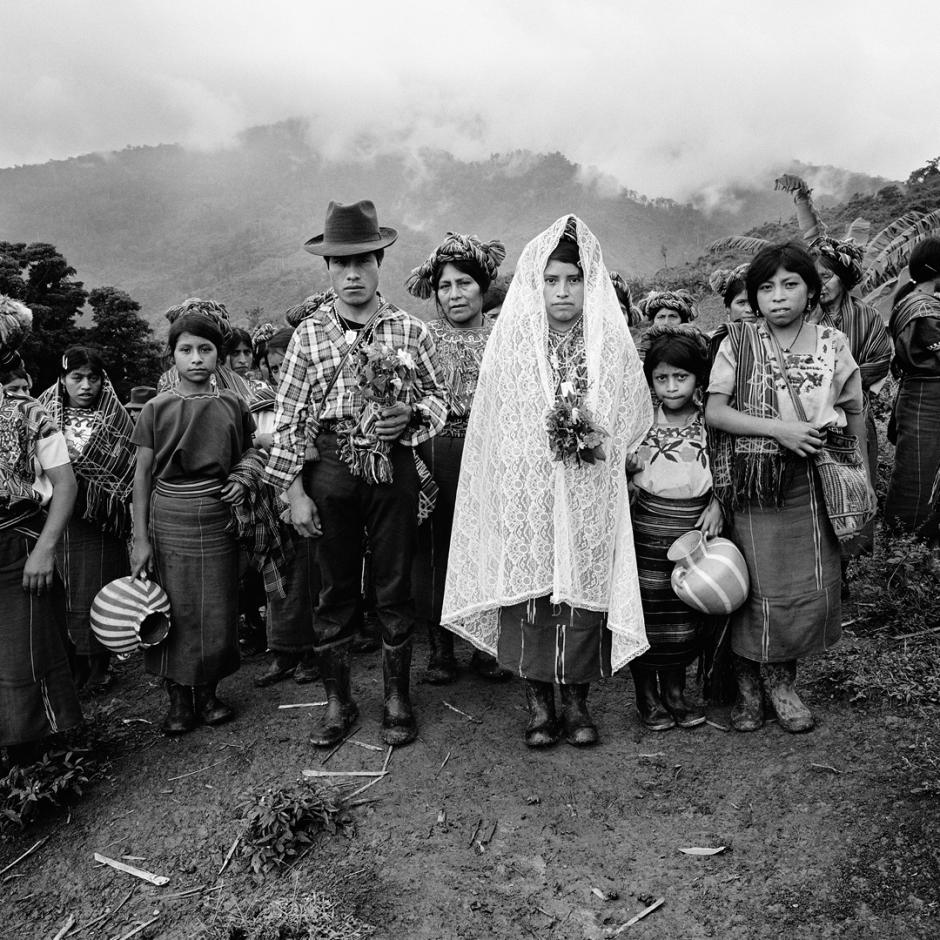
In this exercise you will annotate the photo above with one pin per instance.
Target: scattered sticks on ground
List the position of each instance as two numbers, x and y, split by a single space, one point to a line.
228 857
302 705
659 902
66 927
158 880
192 773
454 708
354 731
140 927
28 852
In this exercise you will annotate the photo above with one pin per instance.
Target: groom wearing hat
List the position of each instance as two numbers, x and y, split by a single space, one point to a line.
318 399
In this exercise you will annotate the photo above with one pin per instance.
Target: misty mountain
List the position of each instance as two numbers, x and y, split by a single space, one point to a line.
164 223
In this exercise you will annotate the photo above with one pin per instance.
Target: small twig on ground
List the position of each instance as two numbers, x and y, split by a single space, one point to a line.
454 708
340 744
715 724
910 636
659 902
366 746
364 787
194 772
651 756
444 762
158 880
344 773
228 857
183 894
139 927
66 927
388 757
489 838
29 851
476 829
302 705
828 767
107 914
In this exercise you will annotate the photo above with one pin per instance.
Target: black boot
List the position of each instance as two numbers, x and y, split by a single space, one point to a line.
212 710
672 695
100 676
181 718
748 711
580 729
442 667
368 636
308 669
398 720
542 730
649 706
341 710
280 668
792 714
487 667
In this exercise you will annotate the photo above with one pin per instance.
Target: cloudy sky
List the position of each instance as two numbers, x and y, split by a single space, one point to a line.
667 97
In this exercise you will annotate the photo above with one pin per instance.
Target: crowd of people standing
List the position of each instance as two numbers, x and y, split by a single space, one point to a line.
514 480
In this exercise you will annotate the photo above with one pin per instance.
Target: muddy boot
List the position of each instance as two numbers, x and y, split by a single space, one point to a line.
672 689
487 667
398 720
212 710
747 714
308 669
542 730
792 714
280 668
181 718
649 706
100 677
580 729
341 710
442 667
368 636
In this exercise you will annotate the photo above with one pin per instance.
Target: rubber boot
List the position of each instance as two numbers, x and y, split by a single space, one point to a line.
442 667
542 730
280 668
341 710
398 721
181 718
211 709
672 692
649 706
308 669
368 636
580 729
487 667
100 677
792 714
747 713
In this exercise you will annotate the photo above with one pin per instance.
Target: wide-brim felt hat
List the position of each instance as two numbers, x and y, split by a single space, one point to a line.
351 230
140 395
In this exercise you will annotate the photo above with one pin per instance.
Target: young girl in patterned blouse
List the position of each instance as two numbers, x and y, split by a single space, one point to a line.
672 482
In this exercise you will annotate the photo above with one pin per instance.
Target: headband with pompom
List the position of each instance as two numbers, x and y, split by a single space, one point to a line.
309 306
260 336
456 247
679 300
844 257
721 279
16 320
210 308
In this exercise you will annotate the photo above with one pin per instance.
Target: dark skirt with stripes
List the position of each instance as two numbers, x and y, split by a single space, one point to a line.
795 607
196 560
290 618
556 643
37 697
87 559
672 628
917 453
442 455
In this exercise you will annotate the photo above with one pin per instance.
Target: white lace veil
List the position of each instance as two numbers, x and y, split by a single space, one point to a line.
526 525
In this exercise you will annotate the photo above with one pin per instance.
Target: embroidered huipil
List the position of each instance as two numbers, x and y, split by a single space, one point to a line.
674 459
313 355
459 353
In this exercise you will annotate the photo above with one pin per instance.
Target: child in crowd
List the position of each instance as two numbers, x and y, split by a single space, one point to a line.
190 439
672 483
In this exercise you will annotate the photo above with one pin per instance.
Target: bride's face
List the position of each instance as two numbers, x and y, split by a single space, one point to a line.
563 293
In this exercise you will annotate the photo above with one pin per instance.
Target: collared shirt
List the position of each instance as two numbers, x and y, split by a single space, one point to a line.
315 353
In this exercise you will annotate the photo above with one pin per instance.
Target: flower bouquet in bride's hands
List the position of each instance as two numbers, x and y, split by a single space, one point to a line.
383 376
572 434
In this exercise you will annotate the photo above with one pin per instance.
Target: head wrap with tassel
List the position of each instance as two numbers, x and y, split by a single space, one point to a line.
484 257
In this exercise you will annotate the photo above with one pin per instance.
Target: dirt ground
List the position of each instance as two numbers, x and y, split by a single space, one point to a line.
474 836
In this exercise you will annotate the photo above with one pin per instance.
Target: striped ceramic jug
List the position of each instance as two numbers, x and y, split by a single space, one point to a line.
710 574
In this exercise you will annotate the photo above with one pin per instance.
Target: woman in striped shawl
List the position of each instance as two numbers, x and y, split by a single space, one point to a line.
93 550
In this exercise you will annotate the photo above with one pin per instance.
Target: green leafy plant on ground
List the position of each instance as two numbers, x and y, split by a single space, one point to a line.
281 823
56 780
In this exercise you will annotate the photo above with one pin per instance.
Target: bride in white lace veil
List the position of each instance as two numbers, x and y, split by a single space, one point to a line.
526 525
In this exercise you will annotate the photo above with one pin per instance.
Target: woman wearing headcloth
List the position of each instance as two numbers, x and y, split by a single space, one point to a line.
224 377
542 570
665 308
93 550
190 443
37 697
915 329
457 275
839 264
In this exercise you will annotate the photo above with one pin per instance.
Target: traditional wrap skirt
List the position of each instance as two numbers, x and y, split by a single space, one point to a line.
442 454
37 697
291 618
556 643
87 560
196 560
672 627
917 453
792 554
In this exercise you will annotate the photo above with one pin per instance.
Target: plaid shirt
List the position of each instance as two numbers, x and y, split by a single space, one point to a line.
314 354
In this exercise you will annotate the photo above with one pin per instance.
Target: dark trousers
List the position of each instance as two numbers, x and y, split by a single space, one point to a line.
389 514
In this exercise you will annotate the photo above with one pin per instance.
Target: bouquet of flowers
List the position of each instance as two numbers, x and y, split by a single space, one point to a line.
572 434
383 374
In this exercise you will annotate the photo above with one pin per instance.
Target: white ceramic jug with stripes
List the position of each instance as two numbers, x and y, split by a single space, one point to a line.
710 574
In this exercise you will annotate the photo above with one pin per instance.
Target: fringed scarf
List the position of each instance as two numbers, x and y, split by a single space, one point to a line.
868 338
750 469
257 526
105 468
23 423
